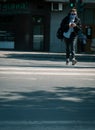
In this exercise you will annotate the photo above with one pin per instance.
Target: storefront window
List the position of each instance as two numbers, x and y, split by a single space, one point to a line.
38 33
7 34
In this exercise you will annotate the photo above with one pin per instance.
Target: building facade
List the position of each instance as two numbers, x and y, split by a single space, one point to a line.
25 25
31 25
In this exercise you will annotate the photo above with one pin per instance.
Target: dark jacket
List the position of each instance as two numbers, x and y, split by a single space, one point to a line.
65 25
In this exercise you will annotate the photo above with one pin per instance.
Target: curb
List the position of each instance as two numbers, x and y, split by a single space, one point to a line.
21 54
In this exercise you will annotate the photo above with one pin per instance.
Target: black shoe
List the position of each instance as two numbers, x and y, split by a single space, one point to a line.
74 62
67 61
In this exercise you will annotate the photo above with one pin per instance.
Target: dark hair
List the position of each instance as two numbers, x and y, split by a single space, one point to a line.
73 9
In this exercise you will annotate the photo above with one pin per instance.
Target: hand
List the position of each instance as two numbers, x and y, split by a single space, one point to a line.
73 25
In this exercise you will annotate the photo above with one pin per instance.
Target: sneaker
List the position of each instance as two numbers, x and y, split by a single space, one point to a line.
74 62
67 61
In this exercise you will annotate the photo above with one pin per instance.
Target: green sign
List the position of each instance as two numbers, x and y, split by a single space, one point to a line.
12 8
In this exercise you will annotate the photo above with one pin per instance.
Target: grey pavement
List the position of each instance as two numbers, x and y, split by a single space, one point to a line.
23 54
47 125
43 59
43 99
33 100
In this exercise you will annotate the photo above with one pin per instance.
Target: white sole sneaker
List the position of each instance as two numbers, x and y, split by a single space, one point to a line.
74 62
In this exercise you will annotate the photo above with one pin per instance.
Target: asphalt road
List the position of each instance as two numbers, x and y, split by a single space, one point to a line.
46 95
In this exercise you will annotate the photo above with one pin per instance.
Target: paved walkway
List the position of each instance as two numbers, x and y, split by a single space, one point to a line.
14 54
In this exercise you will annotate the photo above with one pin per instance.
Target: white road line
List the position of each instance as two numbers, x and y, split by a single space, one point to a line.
46 122
46 71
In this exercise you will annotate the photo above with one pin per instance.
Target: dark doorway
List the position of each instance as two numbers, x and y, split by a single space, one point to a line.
38 33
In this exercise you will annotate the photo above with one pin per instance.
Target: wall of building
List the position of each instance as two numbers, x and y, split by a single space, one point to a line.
30 24
19 22
88 20
57 45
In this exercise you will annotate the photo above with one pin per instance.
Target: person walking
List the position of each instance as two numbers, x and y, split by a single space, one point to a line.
82 41
70 26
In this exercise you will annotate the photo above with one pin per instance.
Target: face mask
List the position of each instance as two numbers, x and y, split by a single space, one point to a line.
72 16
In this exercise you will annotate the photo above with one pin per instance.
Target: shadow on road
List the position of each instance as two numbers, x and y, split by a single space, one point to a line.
64 103
48 56
34 60
35 56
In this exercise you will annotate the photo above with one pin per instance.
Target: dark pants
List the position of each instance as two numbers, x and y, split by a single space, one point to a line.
70 47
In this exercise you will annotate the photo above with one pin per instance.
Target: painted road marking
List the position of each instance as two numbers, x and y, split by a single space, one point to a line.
46 122
46 71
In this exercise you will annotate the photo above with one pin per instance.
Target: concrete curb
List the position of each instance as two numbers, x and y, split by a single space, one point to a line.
21 54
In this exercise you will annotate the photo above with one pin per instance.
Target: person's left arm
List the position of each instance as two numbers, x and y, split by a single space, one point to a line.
78 25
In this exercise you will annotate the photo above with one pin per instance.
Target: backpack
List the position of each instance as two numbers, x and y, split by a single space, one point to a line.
59 33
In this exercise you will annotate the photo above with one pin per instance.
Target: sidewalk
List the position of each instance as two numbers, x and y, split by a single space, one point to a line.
15 54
